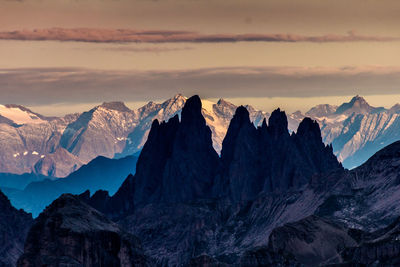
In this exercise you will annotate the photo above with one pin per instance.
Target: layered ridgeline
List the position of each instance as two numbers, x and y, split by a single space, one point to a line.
56 147
100 173
271 199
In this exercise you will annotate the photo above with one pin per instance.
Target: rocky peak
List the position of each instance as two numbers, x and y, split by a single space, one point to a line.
178 97
257 160
191 112
222 101
278 124
149 106
176 101
241 116
165 110
297 113
118 106
322 110
177 162
239 152
250 108
312 149
224 108
395 108
356 105
17 115
171 107
240 129
309 128
358 101
151 164
74 129
29 111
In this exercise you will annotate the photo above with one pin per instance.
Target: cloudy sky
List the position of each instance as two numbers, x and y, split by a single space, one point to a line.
67 55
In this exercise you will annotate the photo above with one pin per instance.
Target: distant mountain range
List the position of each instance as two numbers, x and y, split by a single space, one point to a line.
272 198
55 147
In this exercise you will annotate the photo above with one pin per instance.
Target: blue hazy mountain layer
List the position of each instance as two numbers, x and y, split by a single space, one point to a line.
99 174
20 181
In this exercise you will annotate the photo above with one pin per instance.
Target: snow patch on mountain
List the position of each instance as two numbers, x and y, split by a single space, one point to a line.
19 116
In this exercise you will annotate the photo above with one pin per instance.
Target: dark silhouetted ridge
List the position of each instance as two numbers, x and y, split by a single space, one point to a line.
267 159
178 163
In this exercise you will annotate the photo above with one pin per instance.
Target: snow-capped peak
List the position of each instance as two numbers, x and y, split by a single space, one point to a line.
321 110
19 114
179 97
207 105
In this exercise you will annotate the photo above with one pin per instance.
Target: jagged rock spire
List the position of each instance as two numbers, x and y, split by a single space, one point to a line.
309 128
278 124
192 110
177 163
269 159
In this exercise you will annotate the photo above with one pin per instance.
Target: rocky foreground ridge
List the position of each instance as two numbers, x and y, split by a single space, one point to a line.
70 233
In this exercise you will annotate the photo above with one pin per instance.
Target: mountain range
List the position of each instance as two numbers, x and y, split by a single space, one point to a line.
57 146
273 197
